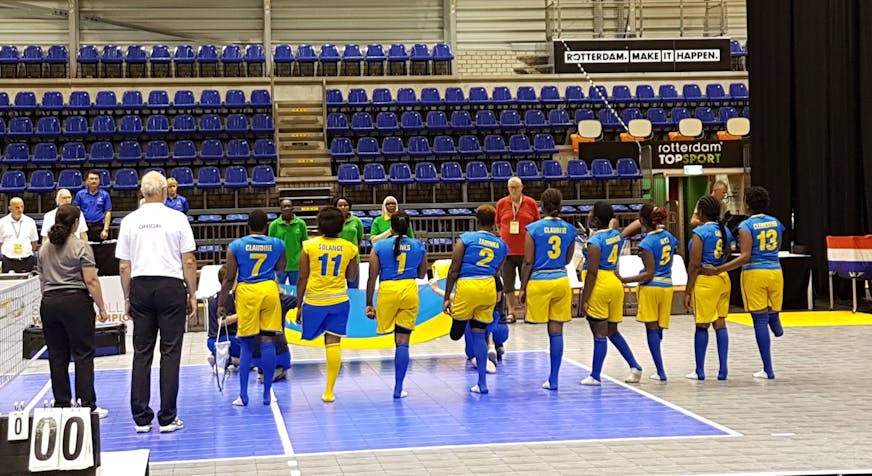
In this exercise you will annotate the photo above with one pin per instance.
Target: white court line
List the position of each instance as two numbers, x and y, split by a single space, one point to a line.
280 424
41 393
823 472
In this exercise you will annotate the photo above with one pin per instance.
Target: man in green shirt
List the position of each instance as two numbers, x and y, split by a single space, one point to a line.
292 230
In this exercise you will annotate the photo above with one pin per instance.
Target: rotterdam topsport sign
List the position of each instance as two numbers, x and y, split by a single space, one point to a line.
669 155
605 56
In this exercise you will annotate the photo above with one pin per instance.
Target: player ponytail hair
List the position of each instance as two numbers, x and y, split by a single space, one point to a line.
709 209
652 215
400 226
63 227
551 199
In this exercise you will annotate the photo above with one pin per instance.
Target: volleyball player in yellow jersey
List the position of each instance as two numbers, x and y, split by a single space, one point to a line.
327 263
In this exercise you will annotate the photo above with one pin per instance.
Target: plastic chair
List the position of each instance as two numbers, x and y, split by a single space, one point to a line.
45 153
16 154
348 175
341 148
235 177
184 176
208 178
238 150
452 173
75 126
262 176
265 150
126 180
52 101
157 151
552 171
129 151
469 146
41 181
13 182
101 153
79 101
70 179
184 151
48 127
158 99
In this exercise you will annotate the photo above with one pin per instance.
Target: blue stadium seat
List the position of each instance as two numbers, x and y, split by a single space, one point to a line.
442 52
621 95
738 93
306 54
425 173
584 114
527 170
746 112
386 122
210 99
501 171
367 148
329 58
16 154
627 169
261 99
212 150
597 94
348 175
234 99
79 101
231 55
207 54
407 97
334 98
265 150
534 120
381 97
25 101
184 176
341 148
13 182
129 152
235 176
400 174
262 176
645 95
552 171
420 58
494 145
283 54
411 122
73 153
112 55
454 97
101 153
602 169
374 58
478 97
20 128
48 127
691 95
668 95
2 127
238 150
443 147
262 124
156 124
550 95
75 126
88 55
659 120
135 55
126 179
361 123
736 50
501 96
707 116
160 54
237 124
485 120
158 99
52 101
208 178
157 151
574 96
210 124
526 96
398 55
131 100
351 53
430 97
70 179
105 178
519 144
577 170
337 123
469 146
184 151
45 153
437 121
106 100
393 148
358 98
184 125
726 113
631 113
41 181
461 121
715 95
452 173
544 144
374 174
419 147
559 120
608 119
57 54
131 125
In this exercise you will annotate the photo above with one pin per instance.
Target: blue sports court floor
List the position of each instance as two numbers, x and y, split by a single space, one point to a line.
439 411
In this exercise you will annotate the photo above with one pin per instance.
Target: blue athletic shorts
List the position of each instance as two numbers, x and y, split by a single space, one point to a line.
320 319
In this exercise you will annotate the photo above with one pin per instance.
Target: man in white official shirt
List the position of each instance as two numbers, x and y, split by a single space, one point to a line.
159 278
63 197
18 239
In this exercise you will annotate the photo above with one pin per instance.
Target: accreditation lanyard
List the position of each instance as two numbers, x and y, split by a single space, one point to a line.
515 225
17 245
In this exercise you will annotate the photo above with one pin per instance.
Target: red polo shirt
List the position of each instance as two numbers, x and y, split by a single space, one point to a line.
527 213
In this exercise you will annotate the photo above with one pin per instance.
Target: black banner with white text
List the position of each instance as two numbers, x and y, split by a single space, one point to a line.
670 155
629 55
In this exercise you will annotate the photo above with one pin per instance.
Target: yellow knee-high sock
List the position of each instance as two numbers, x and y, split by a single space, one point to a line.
334 361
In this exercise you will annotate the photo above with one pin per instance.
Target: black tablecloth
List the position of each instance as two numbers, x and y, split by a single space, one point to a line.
797 271
104 256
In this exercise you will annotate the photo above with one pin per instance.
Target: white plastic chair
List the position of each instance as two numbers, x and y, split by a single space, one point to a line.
679 273
208 284
363 276
630 265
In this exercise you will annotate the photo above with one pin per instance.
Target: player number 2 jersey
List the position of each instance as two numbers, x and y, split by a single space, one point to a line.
484 254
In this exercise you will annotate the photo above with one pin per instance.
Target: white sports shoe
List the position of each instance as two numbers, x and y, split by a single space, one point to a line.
547 386
692 376
175 425
634 377
590 381
657 378
491 367
762 375
101 412
143 428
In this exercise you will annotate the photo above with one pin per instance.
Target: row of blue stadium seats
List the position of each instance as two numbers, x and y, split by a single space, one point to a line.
127 179
443 147
103 152
131 125
367 216
477 172
114 54
133 100
526 96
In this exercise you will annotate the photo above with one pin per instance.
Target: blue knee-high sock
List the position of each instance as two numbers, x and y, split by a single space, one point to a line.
723 338
244 367
775 324
654 339
761 331
467 342
700 343
401 365
556 341
479 348
268 361
624 348
660 331
600 348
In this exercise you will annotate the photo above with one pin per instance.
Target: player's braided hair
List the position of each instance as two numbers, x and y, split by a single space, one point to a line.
551 199
400 226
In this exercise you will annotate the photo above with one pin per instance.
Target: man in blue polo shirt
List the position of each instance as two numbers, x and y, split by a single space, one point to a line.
96 206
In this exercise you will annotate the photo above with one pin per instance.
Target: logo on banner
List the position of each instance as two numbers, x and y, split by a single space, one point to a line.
642 56
690 153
